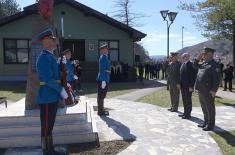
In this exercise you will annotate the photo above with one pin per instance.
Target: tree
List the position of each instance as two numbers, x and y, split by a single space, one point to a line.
125 14
141 51
8 8
215 17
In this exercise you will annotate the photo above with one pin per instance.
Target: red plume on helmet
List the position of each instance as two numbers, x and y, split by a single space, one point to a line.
45 8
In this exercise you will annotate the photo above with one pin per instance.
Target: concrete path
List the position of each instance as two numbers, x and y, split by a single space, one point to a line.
151 87
159 132
226 94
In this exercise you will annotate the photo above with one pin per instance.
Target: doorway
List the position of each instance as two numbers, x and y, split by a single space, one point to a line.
77 48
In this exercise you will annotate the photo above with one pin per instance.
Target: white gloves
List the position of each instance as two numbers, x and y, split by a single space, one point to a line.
103 85
64 94
64 61
58 61
68 85
75 77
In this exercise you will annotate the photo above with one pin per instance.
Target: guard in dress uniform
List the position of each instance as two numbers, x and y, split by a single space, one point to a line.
174 82
103 79
207 84
69 66
50 90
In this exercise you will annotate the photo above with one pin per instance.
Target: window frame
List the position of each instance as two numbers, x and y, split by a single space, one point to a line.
118 49
15 39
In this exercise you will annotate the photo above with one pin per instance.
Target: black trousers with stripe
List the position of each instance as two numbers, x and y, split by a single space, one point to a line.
101 96
47 117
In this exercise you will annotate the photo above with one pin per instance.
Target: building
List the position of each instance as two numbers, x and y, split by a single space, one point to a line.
84 28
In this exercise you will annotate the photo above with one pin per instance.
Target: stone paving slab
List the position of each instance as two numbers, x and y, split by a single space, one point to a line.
158 131
151 87
155 130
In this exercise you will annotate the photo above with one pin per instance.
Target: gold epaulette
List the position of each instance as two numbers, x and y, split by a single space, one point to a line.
44 83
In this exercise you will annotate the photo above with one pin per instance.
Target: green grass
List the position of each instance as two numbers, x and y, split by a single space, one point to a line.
13 91
16 91
162 98
226 141
115 89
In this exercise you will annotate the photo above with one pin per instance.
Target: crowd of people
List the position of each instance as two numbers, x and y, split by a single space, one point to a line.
119 72
152 70
203 74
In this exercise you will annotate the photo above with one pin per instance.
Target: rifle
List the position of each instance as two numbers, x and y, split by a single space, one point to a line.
70 100
46 11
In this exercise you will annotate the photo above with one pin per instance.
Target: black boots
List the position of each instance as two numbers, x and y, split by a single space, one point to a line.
48 147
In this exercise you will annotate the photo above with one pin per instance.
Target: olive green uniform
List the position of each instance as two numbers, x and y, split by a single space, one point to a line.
173 80
208 79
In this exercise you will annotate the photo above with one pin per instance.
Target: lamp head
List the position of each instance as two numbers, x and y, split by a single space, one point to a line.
164 13
172 16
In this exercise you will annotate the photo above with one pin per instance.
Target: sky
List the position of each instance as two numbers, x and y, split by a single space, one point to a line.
152 24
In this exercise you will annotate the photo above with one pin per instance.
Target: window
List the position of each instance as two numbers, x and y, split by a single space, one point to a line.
113 49
16 51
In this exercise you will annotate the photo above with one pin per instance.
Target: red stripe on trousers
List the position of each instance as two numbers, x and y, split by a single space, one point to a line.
46 120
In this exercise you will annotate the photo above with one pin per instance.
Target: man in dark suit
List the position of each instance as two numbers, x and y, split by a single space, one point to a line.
187 80
228 77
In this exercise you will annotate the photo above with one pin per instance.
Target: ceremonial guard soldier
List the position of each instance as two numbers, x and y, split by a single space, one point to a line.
103 79
69 66
174 81
207 84
50 90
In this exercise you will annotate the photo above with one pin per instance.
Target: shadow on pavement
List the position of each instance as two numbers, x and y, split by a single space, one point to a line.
226 135
119 128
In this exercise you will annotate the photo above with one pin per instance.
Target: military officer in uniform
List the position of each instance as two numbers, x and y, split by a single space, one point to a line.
50 90
174 81
103 79
207 84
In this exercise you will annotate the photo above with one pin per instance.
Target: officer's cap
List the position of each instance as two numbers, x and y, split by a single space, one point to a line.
207 50
48 33
104 46
66 51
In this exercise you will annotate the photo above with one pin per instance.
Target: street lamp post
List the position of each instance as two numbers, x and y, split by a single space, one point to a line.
171 16
182 37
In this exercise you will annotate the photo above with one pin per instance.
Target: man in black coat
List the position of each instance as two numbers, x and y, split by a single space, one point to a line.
187 80
228 77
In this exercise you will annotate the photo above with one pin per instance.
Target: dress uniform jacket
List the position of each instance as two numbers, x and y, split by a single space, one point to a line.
49 77
70 70
104 69
208 77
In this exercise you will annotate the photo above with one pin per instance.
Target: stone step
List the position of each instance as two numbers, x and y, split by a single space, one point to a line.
75 124
35 140
32 130
22 121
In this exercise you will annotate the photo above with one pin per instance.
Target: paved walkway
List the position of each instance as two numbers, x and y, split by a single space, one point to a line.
226 94
158 131
151 87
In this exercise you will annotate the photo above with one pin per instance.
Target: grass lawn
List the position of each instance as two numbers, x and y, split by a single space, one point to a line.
13 91
16 91
162 98
226 141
